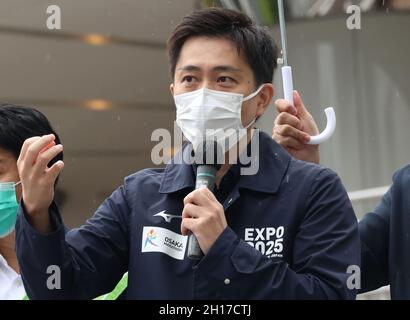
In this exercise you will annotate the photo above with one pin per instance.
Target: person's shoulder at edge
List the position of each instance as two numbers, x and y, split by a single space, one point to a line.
402 176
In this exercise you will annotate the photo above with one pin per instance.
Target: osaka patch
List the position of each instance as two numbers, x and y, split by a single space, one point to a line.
156 239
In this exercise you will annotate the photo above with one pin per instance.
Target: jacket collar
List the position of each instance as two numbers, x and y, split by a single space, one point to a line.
273 165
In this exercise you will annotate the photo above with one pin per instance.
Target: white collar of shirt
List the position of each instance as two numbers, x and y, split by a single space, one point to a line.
11 285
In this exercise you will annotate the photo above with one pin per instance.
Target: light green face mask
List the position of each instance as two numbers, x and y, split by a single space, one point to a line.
8 207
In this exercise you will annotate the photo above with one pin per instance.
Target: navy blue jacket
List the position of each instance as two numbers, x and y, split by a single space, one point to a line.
385 238
291 234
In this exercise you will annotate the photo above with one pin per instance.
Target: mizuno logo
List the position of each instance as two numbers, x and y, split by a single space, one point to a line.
167 217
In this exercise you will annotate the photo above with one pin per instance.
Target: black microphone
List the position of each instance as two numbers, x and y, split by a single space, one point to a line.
206 157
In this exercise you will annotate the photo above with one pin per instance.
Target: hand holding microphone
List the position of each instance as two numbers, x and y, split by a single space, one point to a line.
203 217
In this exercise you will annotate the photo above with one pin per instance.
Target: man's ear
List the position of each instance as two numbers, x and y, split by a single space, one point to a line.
171 88
265 98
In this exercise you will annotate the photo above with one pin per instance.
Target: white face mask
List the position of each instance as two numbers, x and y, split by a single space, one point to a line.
206 114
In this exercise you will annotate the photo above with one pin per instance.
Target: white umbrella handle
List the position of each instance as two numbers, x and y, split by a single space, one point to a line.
330 112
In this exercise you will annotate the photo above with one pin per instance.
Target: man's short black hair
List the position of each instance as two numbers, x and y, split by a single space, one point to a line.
18 123
253 41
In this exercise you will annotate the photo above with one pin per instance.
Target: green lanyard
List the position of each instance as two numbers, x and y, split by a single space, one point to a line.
113 295
119 288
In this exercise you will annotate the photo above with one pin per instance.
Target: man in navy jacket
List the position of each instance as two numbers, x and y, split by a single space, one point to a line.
385 240
384 233
286 232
